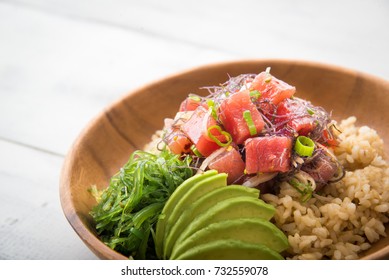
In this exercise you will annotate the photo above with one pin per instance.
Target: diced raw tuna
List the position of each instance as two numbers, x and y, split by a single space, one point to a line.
178 143
322 169
271 88
196 128
268 154
174 138
229 162
231 115
190 103
295 116
206 147
328 138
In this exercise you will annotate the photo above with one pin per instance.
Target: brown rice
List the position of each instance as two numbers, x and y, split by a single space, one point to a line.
346 217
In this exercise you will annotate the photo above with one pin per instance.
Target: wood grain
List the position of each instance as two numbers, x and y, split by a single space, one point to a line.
129 123
32 224
59 72
251 28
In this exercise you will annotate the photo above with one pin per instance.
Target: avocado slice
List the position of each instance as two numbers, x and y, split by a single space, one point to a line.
251 230
194 193
180 191
204 203
232 208
230 249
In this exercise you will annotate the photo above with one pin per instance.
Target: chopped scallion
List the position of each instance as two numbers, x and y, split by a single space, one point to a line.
255 93
194 97
250 123
304 146
212 106
210 103
195 151
224 133
310 111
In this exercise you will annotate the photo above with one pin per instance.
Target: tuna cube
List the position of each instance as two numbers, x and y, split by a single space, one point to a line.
231 115
229 162
268 154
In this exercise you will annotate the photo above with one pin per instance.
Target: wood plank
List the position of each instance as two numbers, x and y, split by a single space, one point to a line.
56 73
32 224
348 33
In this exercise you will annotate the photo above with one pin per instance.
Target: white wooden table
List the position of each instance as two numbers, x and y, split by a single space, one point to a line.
62 62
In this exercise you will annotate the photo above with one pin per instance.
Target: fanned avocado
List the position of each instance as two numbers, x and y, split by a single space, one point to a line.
180 191
204 203
198 190
228 209
251 230
230 250
205 219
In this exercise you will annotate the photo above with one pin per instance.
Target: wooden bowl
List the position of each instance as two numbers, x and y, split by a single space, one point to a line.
107 142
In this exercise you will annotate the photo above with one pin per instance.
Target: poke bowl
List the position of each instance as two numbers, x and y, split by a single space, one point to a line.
344 217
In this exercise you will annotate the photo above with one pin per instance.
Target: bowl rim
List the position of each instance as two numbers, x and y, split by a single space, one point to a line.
67 199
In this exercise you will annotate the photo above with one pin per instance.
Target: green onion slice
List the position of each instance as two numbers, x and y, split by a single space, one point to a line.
310 111
194 97
210 103
215 139
212 107
255 93
304 146
250 123
195 151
